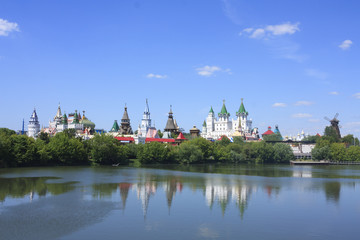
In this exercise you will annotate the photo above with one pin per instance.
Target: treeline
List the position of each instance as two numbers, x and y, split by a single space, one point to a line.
331 147
65 149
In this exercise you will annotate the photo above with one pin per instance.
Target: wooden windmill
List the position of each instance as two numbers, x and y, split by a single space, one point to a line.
335 124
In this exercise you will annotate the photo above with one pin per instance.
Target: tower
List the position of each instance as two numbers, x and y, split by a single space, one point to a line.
34 125
146 120
204 127
210 120
244 123
125 127
223 124
170 125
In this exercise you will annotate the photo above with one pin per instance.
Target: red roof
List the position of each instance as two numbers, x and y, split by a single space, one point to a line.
268 132
159 140
181 137
130 139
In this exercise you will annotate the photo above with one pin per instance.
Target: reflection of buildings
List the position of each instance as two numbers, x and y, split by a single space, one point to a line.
144 191
124 192
222 193
302 173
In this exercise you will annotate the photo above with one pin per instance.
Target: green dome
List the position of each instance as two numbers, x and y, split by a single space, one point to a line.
87 123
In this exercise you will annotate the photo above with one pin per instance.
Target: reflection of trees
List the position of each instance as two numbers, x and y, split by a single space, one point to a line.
20 187
101 190
332 191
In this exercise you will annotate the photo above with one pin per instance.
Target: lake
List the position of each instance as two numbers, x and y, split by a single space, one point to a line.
181 202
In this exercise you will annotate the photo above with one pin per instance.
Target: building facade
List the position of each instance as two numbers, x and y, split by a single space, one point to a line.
215 127
34 125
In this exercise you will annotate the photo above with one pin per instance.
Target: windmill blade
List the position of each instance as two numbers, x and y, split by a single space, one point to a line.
336 115
326 118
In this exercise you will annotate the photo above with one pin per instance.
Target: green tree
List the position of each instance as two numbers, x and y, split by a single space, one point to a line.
105 150
224 141
6 155
350 140
205 146
153 152
282 153
7 132
23 150
338 151
311 139
330 134
321 153
160 133
189 153
264 152
238 140
65 150
353 153
276 137
44 137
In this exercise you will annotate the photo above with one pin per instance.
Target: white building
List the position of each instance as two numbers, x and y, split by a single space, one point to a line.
214 128
145 121
34 125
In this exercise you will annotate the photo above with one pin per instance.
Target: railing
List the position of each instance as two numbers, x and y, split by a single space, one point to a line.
344 163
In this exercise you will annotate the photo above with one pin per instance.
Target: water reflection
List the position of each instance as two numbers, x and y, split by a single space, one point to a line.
207 203
217 190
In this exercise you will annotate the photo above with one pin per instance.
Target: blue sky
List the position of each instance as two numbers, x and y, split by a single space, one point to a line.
293 62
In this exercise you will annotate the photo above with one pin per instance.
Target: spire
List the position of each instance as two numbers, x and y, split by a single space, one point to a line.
76 118
58 113
115 127
125 115
204 124
170 125
64 119
223 110
34 115
147 107
211 110
242 108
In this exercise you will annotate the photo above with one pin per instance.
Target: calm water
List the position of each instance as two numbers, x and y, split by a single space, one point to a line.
179 202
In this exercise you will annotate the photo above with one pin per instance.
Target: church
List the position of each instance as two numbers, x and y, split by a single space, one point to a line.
214 128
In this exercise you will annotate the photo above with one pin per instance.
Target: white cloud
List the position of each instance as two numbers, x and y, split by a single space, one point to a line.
258 33
334 93
279 105
302 115
7 27
356 95
345 44
272 30
316 73
314 120
281 29
303 103
151 75
208 71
